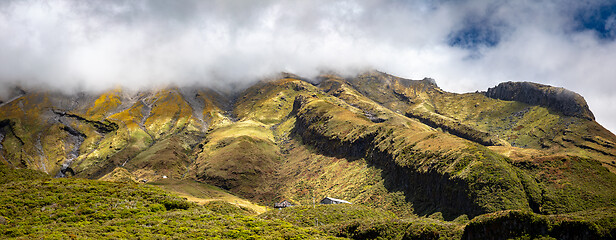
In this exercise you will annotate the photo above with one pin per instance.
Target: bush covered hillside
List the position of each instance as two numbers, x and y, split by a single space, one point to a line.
520 160
87 209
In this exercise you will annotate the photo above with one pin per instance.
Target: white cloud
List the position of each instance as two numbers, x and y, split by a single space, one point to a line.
93 45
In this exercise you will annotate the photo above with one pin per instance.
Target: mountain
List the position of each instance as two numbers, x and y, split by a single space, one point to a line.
380 141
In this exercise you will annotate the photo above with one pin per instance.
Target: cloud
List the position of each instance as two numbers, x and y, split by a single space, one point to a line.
465 45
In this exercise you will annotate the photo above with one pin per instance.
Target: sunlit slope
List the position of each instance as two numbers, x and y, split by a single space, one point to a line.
503 122
204 194
99 133
37 134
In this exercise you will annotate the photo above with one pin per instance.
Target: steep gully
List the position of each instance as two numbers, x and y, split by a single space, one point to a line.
146 110
197 104
39 147
1 146
77 138
145 113
191 97
6 127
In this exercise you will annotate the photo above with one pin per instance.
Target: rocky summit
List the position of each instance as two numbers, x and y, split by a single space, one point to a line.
522 160
559 99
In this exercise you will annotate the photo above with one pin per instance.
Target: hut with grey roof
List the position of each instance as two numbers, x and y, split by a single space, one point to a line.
329 200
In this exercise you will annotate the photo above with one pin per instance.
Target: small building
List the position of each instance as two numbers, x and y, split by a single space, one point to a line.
283 204
329 200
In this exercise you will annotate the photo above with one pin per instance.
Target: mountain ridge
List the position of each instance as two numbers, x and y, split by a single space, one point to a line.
384 141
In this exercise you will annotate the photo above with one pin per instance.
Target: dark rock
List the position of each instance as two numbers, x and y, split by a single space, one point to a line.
567 102
456 128
430 81
104 126
373 117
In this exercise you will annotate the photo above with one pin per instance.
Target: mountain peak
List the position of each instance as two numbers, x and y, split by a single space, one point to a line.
565 101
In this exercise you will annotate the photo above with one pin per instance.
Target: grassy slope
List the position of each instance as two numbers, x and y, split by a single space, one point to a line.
9 174
244 156
361 222
562 160
309 176
239 157
564 183
203 193
528 126
320 214
28 142
593 224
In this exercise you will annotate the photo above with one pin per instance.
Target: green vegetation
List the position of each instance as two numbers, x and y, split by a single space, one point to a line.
416 228
240 157
595 224
360 222
167 157
8 174
309 176
105 103
569 184
416 161
319 215
203 193
86 209
35 207
455 128
485 181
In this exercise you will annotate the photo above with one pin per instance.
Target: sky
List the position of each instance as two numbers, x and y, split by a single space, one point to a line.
465 46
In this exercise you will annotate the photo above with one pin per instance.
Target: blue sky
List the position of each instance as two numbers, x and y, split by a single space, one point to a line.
464 45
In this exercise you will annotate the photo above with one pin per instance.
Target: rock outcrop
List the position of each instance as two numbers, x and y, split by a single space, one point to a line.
567 102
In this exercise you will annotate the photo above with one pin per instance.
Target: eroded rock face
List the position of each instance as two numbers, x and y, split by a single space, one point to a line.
567 102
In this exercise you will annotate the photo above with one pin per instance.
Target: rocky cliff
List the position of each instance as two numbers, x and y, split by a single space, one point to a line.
565 101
